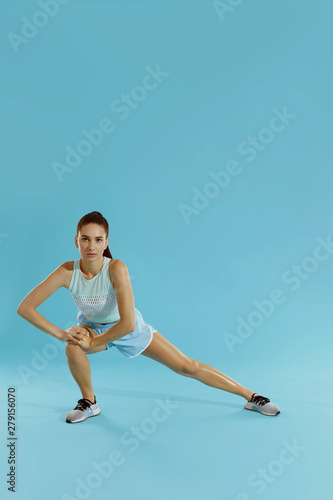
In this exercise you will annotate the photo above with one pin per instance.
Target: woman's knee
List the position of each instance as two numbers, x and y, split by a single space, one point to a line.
189 367
73 349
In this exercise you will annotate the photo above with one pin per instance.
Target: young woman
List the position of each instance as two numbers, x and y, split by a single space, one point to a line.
101 289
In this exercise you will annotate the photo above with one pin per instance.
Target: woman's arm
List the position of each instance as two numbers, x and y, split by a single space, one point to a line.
27 308
125 301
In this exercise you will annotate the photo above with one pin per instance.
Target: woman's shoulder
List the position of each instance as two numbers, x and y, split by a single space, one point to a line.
115 265
68 266
114 262
67 269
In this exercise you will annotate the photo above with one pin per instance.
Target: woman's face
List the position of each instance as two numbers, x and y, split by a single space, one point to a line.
91 241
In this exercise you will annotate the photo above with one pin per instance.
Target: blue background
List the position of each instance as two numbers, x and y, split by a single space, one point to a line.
225 72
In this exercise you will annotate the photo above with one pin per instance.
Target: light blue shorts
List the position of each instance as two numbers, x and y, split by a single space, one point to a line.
129 345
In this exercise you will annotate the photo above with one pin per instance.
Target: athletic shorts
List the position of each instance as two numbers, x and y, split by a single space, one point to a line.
129 345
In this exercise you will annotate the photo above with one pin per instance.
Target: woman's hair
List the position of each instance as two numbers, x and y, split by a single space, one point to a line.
96 218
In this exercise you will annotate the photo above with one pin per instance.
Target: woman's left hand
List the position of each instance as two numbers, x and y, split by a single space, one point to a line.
84 340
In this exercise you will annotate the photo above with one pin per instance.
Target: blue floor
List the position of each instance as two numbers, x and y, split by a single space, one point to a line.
161 435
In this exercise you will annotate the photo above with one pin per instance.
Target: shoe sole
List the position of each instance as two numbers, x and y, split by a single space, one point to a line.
263 412
82 419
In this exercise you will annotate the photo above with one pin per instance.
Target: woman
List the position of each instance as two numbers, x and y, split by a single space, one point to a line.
101 289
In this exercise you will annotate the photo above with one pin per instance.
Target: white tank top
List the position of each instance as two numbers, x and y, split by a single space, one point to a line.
96 297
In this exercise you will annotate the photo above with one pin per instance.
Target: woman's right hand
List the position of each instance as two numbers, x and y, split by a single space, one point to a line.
74 334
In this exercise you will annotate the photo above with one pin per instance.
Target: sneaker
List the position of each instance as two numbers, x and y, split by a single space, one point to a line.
84 409
262 404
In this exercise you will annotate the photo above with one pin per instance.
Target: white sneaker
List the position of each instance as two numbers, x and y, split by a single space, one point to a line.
262 404
84 409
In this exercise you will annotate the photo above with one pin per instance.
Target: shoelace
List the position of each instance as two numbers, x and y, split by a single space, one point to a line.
260 400
82 404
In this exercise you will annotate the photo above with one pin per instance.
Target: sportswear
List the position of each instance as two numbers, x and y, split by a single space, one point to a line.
84 409
96 297
262 404
129 345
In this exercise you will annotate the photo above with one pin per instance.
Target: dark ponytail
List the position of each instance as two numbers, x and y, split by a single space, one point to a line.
96 218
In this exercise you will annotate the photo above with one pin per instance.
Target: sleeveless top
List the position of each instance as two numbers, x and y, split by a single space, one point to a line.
96 298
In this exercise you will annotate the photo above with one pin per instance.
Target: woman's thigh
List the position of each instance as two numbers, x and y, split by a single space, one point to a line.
163 351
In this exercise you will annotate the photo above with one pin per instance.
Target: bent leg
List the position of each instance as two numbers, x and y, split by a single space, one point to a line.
92 333
80 367
163 351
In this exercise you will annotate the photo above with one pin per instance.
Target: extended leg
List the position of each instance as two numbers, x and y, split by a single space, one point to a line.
161 350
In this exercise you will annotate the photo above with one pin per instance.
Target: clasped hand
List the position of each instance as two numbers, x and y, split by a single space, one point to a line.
78 335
